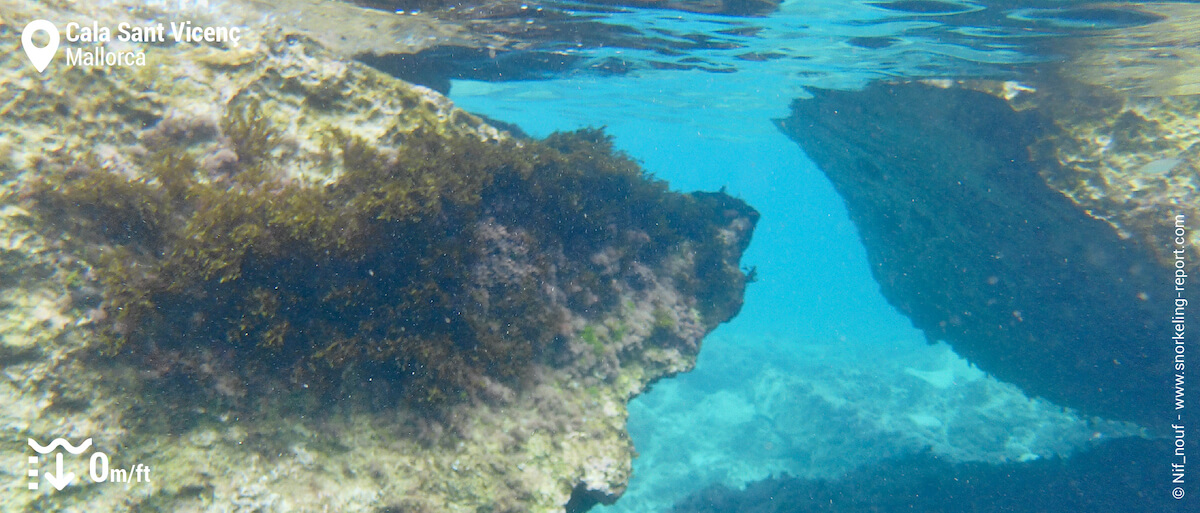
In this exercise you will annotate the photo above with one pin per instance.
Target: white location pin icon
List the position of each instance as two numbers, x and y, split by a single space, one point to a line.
40 57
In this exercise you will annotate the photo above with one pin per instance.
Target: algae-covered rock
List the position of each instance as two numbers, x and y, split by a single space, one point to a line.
288 282
1031 226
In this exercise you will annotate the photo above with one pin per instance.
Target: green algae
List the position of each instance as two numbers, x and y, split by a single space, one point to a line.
588 335
662 319
247 126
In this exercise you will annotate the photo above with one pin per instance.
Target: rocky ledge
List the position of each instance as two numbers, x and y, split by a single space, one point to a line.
1032 226
288 282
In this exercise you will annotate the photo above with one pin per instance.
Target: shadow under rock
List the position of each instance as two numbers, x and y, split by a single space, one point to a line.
1114 476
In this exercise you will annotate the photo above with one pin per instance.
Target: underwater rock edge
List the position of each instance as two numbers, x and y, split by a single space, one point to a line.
567 426
1025 224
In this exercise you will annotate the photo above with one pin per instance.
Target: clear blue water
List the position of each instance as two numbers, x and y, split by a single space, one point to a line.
703 130
816 316
814 288
814 279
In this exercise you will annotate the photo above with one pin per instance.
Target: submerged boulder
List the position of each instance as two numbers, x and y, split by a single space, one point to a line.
1031 227
287 282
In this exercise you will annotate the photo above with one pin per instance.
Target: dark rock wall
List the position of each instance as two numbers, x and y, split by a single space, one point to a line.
966 238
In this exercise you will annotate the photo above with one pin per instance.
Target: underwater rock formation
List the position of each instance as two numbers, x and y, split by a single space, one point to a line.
1030 227
288 282
1111 477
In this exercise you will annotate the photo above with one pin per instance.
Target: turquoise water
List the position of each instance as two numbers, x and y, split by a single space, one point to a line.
814 288
814 280
815 312
816 347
